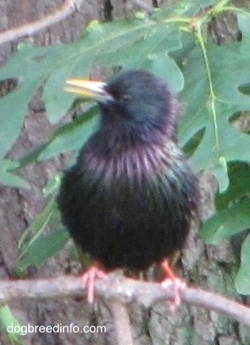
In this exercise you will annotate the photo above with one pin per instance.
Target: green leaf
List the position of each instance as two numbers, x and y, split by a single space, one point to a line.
43 248
150 52
51 66
10 324
184 8
31 67
52 185
212 111
239 186
71 136
54 97
8 178
12 113
242 280
37 248
244 24
227 222
38 225
221 171
165 67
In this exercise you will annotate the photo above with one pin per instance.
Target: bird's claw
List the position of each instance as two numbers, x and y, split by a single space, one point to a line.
88 281
178 286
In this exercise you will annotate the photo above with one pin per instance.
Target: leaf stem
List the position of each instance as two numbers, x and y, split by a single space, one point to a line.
210 81
218 8
178 20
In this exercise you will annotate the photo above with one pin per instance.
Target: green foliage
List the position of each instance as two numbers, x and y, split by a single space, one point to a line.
212 81
243 276
71 136
37 248
8 178
227 222
37 252
8 323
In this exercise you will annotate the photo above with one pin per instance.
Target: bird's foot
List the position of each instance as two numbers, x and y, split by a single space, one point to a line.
177 284
89 278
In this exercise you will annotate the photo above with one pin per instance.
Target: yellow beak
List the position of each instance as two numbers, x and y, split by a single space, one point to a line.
89 89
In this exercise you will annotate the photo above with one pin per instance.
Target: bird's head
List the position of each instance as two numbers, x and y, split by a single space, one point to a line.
131 98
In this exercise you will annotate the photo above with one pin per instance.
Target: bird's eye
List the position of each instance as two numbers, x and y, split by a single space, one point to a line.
122 97
125 98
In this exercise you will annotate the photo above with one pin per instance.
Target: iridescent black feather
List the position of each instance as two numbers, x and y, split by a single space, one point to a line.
129 199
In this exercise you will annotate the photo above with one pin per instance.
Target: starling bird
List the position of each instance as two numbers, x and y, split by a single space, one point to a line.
129 198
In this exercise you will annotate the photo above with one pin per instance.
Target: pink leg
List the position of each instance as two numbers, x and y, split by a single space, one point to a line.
88 280
172 280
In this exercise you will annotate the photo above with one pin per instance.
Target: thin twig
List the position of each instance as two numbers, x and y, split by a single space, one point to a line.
123 289
121 323
30 29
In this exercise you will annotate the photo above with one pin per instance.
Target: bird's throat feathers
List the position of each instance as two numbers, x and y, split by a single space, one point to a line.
133 149
116 158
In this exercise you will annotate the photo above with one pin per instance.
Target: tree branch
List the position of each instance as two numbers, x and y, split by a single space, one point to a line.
30 29
121 322
124 290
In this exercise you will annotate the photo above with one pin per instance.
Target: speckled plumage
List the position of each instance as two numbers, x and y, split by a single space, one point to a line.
129 198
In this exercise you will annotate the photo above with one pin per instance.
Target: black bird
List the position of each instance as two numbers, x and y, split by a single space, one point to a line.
129 199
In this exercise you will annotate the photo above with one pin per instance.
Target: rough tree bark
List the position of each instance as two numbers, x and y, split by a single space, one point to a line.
206 266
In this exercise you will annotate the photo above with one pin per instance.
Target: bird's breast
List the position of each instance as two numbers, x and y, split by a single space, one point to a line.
134 163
